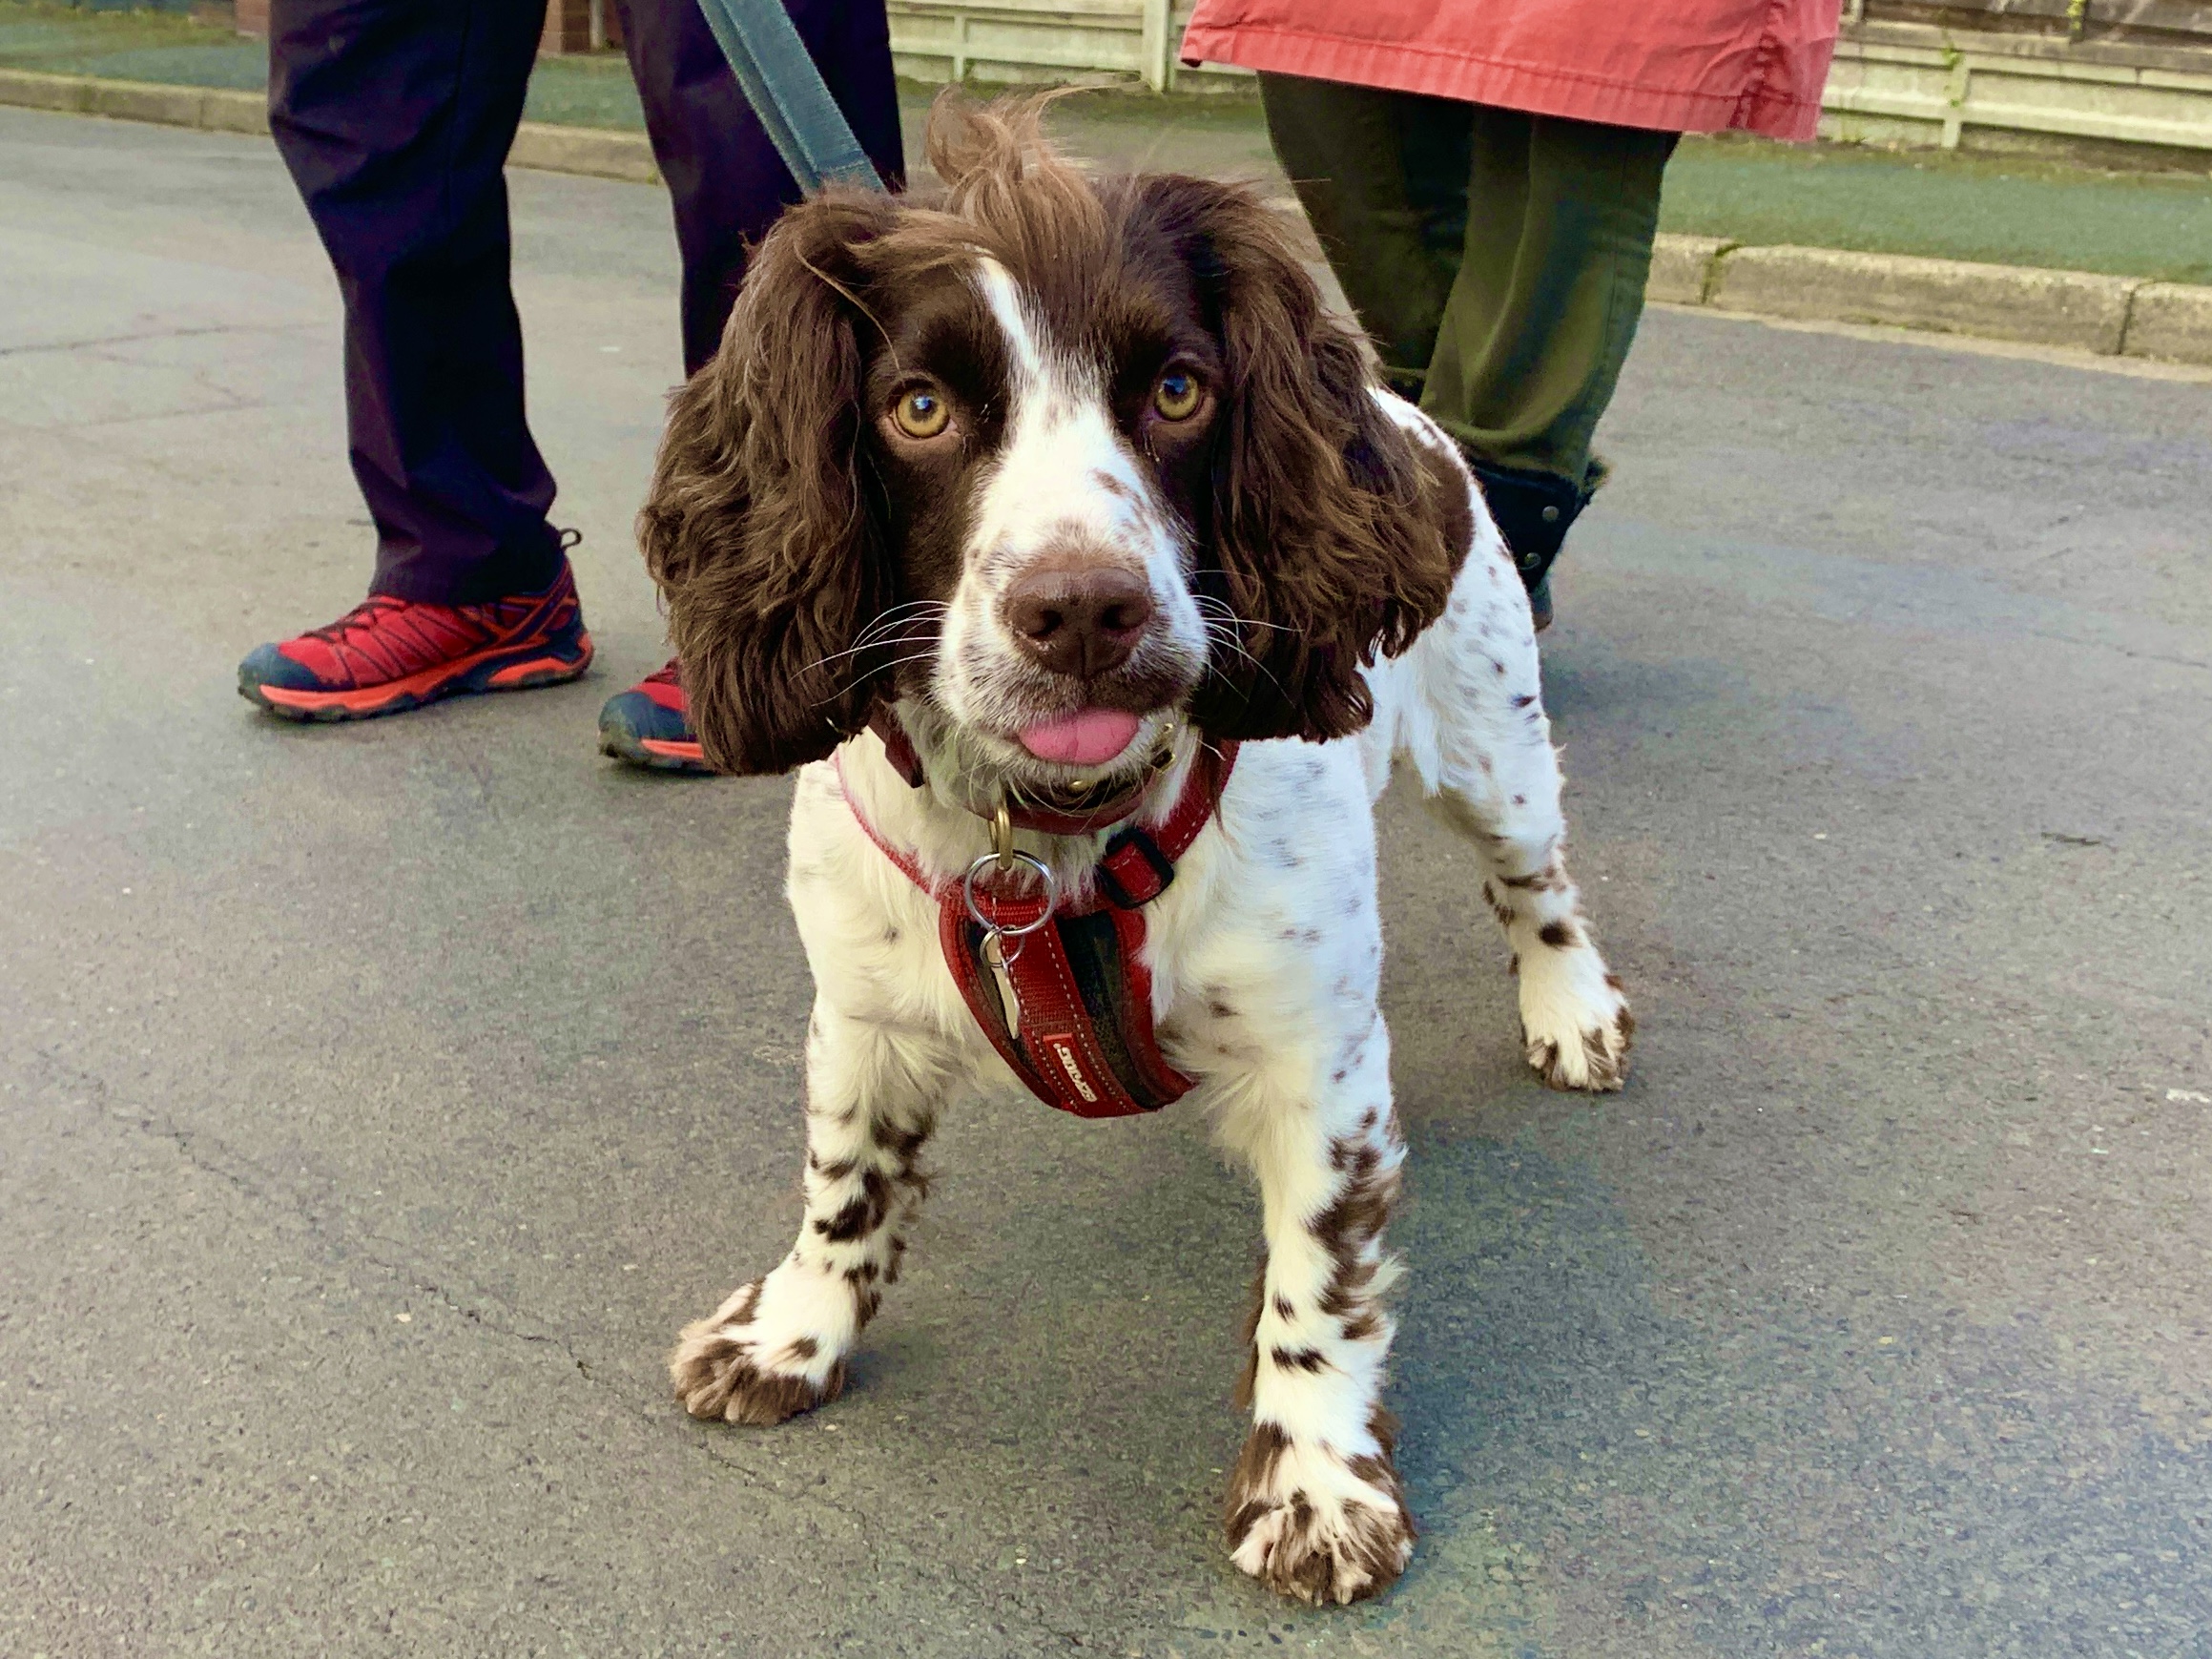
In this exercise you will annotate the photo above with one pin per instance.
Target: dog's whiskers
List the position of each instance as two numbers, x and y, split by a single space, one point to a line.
1208 604
1229 641
889 628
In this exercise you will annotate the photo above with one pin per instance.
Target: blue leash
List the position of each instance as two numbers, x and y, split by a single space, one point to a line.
779 80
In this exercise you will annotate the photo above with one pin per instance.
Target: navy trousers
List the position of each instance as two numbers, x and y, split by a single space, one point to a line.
395 118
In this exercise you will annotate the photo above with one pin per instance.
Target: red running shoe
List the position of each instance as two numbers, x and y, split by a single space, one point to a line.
386 654
651 725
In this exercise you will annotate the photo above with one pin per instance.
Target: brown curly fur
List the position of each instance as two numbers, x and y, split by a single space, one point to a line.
756 527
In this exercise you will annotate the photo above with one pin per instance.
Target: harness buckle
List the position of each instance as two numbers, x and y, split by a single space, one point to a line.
1130 883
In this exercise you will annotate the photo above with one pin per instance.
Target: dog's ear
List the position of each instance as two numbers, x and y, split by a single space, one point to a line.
757 527
1330 538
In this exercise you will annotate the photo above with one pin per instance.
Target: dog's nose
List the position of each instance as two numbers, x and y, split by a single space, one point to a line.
1082 622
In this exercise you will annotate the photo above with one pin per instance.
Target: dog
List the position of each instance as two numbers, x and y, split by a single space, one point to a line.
1063 489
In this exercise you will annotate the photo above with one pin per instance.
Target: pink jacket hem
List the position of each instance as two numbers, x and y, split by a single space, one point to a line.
1768 106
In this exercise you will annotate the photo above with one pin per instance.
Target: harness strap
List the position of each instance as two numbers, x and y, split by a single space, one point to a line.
1080 1033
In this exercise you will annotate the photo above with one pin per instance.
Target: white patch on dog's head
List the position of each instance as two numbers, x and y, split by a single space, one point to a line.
1063 491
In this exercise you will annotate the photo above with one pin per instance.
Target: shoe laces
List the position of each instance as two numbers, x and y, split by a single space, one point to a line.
667 674
362 618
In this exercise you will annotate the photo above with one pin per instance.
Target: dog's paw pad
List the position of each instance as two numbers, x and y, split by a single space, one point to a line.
720 1377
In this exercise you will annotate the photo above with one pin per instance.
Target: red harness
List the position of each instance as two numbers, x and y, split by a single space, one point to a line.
1082 1037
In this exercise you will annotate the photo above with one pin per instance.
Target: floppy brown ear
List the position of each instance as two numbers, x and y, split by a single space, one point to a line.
1330 538
755 527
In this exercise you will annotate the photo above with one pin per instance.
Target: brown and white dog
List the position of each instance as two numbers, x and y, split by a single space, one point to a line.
1072 477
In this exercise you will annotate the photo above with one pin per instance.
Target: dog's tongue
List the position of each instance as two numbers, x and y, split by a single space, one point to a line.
1086 737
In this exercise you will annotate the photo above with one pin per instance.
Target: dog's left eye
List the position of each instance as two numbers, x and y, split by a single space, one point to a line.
921 413
1177 396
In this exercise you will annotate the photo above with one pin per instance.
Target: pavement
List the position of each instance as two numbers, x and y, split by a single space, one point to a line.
376 1101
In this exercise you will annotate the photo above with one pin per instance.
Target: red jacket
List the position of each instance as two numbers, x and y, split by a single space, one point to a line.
1685 65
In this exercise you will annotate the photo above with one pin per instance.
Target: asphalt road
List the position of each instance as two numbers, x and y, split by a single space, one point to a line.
375 1102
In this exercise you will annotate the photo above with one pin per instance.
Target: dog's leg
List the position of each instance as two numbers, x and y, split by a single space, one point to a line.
778 1346
1575 1022
1492 773
1315 1508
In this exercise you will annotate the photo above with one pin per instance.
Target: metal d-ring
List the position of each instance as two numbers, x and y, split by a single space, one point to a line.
995 931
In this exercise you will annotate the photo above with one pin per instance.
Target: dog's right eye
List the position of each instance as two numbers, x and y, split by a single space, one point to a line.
920 413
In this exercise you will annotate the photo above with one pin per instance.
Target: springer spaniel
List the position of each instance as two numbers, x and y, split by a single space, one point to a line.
1067 488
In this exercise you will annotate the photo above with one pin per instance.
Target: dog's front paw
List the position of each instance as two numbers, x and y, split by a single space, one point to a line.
723 1370
1575 1024
1312 1525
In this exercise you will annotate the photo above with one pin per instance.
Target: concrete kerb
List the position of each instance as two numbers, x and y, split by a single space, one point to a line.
553 149
2063 308
2111 316
2171 321
2085 310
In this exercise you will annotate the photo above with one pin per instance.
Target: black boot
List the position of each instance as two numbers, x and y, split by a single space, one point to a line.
1532 510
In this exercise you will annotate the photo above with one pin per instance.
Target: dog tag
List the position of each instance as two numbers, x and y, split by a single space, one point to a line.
995 955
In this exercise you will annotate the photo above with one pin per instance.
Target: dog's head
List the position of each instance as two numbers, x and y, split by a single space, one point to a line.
1057 460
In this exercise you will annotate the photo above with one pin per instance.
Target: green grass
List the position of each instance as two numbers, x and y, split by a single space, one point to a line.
1946 205
2006 211
131 46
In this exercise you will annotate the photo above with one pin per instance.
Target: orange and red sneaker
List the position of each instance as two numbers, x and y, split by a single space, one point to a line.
386 656
651 725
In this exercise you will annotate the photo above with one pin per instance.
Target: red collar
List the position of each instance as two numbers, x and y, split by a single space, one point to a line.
1136 867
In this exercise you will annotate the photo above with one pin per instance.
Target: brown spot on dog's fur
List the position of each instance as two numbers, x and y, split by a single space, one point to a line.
739 1309
1378 1468
860 1215
1544 880
1307 1359
1558 935
1498 907
1284 1309
1249 1481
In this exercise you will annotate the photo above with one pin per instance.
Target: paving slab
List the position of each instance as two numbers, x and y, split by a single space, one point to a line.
378 1100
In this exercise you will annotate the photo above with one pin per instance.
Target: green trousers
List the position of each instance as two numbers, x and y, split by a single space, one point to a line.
1497 259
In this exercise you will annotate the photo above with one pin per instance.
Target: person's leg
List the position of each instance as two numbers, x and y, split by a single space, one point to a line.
728 186
1382 176
395 118
1542 311
725 179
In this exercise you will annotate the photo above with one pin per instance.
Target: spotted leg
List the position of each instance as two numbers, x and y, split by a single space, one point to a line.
778 1346
1314 1510
1575 1022
1495 779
